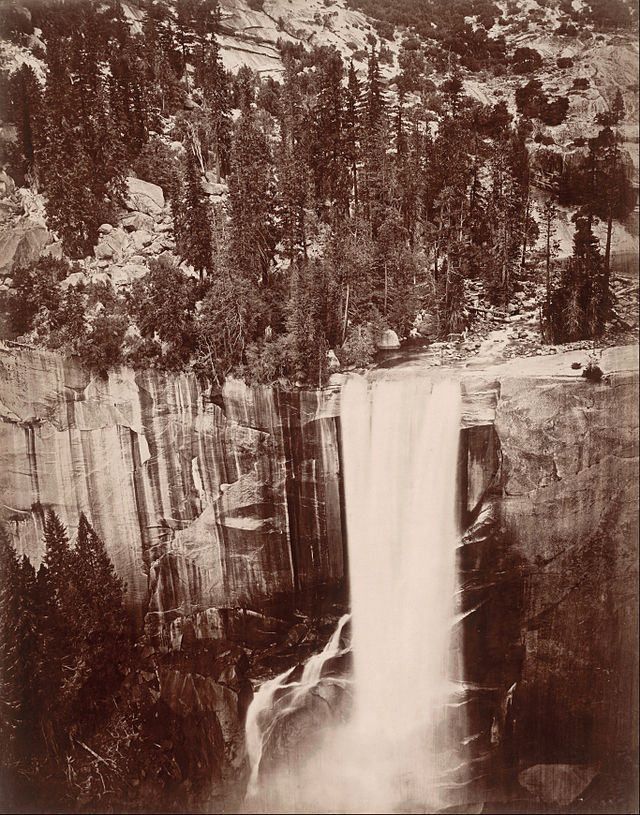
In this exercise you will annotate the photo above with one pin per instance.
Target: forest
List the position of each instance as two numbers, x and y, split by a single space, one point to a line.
353 202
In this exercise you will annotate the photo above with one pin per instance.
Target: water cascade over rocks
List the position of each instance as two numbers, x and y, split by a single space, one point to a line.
393 752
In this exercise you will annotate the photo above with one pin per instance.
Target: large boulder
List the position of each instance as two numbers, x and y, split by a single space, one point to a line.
22 245
558 784
114 246
137 221
144 197
388 340
7 185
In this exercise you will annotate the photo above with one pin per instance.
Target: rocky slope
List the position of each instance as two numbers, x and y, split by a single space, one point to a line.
602 61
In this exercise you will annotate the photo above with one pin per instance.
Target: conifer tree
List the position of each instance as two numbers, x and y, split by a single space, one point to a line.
251 194
377 167
352 130
102 641
26 102
192 219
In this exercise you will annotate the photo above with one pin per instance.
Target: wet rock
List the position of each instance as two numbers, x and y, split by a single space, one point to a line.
7 185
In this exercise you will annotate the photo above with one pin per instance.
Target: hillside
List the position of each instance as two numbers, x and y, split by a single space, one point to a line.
573 61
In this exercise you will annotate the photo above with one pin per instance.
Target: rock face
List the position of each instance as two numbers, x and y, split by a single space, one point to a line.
549 569
204 506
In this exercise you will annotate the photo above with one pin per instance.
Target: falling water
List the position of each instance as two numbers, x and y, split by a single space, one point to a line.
400 441
400 451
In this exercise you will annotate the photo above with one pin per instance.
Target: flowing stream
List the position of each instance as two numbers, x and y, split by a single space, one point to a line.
394 753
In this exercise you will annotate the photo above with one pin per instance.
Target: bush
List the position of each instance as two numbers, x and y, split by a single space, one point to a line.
554 112
564 62
566 30
580 83
359 348
526 60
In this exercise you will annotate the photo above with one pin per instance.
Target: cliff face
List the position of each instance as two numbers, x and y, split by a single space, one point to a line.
211 508
202 505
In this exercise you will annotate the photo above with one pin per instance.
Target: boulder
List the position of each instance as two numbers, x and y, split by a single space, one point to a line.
557 784
137 221
22 245
144 197
74 279
101 277
123 275
209 188
105 229
216 188
7 185
113 246
428 326
388 340
333 362
54 250
141 239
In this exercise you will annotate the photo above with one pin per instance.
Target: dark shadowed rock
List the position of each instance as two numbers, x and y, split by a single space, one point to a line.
558 784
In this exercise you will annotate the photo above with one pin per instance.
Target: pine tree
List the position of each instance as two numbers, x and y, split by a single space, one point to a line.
82 157
102 642
576 310
192 219
352 131
26 102
251 187
326 123
216 106
377 165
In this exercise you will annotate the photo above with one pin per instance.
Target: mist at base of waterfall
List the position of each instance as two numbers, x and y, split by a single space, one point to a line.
396 750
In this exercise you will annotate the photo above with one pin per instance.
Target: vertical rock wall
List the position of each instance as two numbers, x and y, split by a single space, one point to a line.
202 505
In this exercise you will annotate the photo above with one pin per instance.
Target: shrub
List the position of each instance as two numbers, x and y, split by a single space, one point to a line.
580 83
554 112
566 30
564 62
526 60
359 348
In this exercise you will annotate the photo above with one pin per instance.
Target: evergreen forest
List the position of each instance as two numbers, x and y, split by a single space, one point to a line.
354 202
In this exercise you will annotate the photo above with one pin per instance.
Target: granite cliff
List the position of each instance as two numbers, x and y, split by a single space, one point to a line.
224 516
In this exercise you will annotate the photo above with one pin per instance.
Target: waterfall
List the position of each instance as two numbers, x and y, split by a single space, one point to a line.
278 698
400 449
400 453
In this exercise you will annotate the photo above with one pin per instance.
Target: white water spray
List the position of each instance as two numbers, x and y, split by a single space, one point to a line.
400 452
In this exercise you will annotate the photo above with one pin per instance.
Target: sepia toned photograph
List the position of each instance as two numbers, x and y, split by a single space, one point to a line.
319 407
